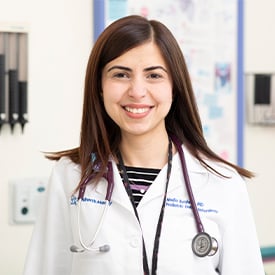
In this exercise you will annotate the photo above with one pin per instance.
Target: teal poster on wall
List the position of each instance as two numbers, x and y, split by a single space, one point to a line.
210 35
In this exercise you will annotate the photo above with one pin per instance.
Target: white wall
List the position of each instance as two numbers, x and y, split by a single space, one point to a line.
60 39
259 143
59 43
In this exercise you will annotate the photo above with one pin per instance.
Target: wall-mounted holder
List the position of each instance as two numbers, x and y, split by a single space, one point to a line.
26 196
13 75
260 98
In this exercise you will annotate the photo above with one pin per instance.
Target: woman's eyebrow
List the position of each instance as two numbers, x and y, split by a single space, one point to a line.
119 67
155 68
151 68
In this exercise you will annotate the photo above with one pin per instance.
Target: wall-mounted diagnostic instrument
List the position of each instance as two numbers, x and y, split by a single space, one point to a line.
13 75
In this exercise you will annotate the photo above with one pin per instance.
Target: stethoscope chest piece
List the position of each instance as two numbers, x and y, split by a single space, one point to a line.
204 245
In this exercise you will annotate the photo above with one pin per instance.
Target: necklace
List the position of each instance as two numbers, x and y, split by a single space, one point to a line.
160 220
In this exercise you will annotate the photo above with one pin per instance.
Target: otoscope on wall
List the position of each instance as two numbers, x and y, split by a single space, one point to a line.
13 80
23 87
13 76
2 83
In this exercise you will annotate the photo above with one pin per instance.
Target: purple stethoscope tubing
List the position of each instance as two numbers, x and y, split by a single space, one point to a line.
109 176
199 224
202 244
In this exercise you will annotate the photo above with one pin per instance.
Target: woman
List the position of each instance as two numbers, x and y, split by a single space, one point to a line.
140 120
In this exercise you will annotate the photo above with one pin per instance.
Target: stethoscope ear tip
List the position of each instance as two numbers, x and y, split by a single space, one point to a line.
104 248
76 249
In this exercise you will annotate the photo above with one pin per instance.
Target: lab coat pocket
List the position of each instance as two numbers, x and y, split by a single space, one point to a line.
88 263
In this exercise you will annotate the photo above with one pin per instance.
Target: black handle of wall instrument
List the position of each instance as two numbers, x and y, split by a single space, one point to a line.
23 107
2 87
13 97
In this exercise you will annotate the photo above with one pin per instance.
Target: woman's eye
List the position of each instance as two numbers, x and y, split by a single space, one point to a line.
155 76
120 75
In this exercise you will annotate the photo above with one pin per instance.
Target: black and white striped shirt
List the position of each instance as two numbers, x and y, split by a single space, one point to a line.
140 180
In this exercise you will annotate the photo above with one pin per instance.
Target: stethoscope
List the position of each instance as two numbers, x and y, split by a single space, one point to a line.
202 244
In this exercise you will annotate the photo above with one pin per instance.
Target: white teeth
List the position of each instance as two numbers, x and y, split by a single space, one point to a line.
136 110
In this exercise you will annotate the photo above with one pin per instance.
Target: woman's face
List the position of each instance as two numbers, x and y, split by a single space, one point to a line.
137 90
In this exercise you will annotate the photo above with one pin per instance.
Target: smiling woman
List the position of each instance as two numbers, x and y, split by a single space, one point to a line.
109 207
137 92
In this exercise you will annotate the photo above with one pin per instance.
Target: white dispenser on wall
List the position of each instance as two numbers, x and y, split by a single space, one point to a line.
260 98
26 196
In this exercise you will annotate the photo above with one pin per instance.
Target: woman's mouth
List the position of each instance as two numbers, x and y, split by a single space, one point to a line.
136 110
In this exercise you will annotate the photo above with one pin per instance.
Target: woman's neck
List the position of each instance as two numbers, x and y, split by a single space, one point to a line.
145 151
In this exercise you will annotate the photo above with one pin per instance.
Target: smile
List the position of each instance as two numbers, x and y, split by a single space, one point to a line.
137 110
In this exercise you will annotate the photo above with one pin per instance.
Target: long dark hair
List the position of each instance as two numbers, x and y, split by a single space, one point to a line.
99 134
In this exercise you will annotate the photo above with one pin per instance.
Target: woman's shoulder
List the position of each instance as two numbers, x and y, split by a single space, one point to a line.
225 175
65 174
65 164
209 165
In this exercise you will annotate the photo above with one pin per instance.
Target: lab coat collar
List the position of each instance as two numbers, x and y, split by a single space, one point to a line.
193 165
194 169
120 195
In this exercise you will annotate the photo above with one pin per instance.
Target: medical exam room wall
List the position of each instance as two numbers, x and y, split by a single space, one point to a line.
259 141
60 35
59 42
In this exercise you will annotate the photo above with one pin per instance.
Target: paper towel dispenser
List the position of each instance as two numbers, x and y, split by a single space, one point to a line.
260 98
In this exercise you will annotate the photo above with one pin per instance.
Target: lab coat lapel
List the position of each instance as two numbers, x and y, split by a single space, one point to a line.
119 195
157 189
195 170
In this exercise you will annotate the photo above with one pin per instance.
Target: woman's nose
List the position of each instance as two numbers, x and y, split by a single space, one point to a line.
137 88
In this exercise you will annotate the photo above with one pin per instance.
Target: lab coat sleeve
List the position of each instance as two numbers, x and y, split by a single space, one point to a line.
241 250
49 252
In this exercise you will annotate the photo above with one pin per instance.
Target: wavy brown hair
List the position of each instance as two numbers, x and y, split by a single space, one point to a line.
99 134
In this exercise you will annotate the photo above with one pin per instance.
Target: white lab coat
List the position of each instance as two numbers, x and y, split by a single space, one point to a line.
223 206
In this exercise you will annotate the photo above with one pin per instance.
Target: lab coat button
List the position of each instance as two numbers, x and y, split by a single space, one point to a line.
134 242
